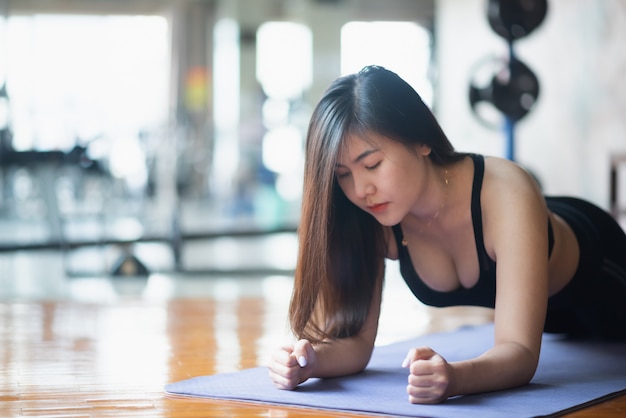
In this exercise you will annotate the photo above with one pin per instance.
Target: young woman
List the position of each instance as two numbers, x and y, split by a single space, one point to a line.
382 181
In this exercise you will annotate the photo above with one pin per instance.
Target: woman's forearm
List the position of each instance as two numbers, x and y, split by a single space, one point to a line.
341 357
506 365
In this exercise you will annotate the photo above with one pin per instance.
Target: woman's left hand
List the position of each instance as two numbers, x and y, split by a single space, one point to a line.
430 376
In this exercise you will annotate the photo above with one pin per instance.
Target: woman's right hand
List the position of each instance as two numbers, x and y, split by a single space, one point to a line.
292 365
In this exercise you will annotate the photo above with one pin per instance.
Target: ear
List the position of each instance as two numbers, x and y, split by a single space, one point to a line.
424 150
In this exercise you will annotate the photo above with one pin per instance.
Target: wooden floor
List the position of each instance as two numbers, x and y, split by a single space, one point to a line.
78 359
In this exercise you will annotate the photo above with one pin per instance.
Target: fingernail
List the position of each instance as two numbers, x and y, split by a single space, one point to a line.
302 361
405 362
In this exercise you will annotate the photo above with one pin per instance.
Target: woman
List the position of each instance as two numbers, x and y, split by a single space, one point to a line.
382 181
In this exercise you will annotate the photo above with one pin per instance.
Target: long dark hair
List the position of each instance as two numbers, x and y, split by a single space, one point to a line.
342 248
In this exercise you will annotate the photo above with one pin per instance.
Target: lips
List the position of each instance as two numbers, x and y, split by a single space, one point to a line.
378 208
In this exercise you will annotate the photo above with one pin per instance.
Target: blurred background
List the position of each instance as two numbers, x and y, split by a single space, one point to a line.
163 139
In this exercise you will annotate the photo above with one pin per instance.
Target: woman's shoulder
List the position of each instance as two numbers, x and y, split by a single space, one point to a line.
509 187
500 172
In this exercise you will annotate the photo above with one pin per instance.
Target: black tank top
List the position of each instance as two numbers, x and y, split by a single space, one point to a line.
483 293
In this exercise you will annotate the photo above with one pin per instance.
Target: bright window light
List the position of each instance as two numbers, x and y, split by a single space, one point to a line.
284 59
282 148
81 76
402 47
226 104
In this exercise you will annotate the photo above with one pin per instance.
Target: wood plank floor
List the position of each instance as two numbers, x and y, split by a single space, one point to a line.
68 358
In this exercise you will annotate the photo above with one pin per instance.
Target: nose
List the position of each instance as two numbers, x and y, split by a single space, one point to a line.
363 188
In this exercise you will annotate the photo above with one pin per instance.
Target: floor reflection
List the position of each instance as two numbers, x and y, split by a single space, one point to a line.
80 357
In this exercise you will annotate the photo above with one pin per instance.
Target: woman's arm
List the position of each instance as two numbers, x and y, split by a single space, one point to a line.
515 230
515 226
292 365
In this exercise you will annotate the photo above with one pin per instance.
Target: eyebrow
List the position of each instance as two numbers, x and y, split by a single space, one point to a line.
361 156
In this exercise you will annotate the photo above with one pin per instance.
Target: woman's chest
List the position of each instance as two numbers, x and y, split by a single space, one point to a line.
448 261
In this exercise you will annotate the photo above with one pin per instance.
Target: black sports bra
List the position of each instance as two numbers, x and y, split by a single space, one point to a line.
483 293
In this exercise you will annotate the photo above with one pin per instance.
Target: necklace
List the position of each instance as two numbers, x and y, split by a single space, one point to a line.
405 242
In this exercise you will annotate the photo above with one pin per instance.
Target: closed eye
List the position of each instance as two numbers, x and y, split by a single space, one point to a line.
372 167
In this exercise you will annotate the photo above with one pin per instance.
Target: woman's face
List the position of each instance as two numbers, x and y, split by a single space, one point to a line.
381 176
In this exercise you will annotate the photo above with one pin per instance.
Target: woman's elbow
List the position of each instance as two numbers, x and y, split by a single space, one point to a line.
362 359
526 362
528 368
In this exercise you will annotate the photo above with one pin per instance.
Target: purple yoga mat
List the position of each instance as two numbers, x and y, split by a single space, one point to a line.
571 374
